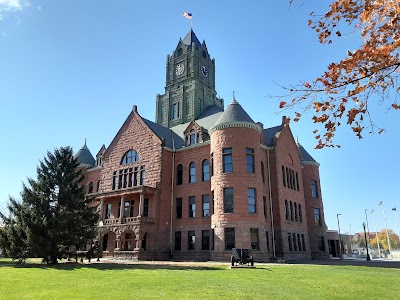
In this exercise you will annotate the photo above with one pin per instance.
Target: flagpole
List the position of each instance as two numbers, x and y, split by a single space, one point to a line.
387 233
376 232
397 219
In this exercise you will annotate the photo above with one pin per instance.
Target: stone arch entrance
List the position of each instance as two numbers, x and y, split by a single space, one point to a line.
108 239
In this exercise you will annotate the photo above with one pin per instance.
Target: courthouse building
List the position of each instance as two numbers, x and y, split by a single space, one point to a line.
204 178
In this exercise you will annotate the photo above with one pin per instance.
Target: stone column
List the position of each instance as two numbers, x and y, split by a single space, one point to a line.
138 244
118 240
141 203
121 210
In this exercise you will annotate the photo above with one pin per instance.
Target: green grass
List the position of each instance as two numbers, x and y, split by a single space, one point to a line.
196 281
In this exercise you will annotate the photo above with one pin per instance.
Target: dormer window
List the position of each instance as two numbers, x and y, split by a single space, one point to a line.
129 157
193 137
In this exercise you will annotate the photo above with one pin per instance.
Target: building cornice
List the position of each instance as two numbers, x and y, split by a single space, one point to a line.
236 124
310 163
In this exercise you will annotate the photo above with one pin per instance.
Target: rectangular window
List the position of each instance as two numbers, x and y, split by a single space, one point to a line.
191 240
290 242
108 210
205 240
175 111
120 179
119 209
321 243
179 175
212 164
206 205
125 178
314 189
206 170
228 200
229 238
300 214
142 175
135 177
303 242
255 245
298 241
294 242
212 239
146 207
265 206
249 160
267 238
127 208
317 217
130 177
297 181
114 180
178 240
287 178
227 160
192 207
251 200
296 218
179 208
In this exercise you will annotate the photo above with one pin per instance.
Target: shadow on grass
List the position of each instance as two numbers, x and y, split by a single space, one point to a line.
352 262
117 266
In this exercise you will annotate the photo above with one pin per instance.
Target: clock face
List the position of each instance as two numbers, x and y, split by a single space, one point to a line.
204 71
179 69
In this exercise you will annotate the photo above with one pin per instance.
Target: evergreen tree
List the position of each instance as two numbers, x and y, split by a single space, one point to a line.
54 213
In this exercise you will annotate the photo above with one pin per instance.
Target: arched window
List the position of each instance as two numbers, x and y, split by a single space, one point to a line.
90 187
291 211
98 186
179 174
286 210
129 157
192 137
206 170
295 212
192 172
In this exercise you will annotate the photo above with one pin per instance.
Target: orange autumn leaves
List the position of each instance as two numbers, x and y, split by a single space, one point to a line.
344 89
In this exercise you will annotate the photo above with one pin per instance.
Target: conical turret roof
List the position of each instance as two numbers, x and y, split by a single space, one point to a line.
234 112
85 157
305 157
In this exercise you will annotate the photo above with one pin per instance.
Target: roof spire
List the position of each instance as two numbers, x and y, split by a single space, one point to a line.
234 95
85 143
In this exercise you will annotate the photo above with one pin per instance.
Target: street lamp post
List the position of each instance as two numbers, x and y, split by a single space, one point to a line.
376 231
387 233
397 219
366 242
340 240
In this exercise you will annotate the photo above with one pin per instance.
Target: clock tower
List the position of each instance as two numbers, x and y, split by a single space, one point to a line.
190 83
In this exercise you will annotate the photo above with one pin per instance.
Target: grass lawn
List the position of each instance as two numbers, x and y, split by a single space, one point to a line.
195 281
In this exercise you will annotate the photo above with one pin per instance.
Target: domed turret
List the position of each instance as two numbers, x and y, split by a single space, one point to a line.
84 157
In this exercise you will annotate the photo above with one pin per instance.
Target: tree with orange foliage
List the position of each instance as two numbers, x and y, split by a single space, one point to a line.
343 91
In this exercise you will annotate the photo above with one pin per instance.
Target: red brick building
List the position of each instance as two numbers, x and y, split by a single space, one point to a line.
202 179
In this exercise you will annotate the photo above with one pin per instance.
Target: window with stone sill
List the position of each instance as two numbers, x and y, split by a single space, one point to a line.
193 137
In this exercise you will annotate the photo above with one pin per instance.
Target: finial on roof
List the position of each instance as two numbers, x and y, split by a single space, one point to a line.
234 95
85 142
297 139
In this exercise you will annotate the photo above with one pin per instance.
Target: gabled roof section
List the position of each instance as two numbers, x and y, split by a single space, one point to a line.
271 134
191 38
206 120
84 157
305 157
172 140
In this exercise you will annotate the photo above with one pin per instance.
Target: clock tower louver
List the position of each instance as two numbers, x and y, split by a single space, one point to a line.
190 83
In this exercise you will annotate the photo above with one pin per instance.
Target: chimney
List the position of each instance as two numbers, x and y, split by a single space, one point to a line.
134 108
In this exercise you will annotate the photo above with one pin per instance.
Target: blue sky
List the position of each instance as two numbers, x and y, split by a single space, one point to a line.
71 70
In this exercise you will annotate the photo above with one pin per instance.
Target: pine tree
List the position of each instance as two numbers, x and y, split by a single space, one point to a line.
54 213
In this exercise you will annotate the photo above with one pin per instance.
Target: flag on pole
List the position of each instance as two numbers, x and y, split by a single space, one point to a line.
394 209
187 15
380 203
